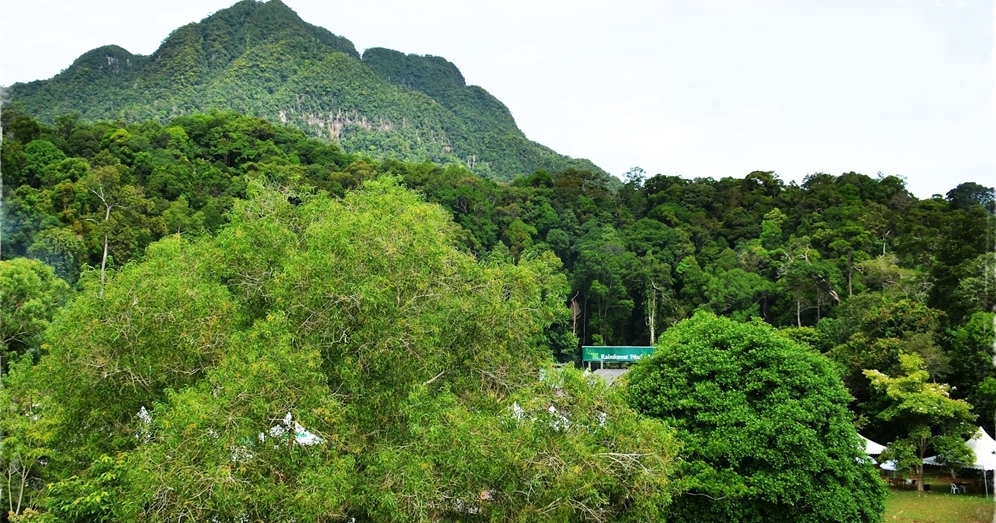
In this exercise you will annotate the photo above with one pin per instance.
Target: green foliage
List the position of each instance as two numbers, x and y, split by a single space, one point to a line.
976 291
216 438
679 245
870 331
62 249
629 264
969 194
95 498
738 293
929 417
38 155
25 436
602 265
763 422
973 373
160 325
260 58
179 390
30 295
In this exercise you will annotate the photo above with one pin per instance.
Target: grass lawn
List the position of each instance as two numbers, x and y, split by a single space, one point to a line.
905 506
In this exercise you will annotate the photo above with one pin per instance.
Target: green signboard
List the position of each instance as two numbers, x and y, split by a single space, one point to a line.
596 353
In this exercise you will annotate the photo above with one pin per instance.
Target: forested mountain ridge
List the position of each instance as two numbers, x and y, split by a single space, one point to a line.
262 59
215 316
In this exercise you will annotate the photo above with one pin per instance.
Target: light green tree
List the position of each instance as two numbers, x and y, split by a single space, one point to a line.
30 294
24 434
930 418
416 375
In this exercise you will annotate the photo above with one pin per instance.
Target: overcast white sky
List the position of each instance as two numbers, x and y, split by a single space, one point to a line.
693 88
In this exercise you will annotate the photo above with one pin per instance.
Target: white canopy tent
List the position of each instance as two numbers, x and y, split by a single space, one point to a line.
872 448
890 467
984 448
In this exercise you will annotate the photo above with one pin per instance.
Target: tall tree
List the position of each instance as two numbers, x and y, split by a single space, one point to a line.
766 433
317 360
970 347
969 194
30 295
930 418
600 274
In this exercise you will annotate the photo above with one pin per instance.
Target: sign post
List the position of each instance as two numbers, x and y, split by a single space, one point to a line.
591 353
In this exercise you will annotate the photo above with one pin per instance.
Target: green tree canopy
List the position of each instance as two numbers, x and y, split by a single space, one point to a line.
973 375
764 425
30 294
420 374
930 418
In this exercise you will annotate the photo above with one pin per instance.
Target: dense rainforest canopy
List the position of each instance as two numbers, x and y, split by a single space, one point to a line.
409 305
177 389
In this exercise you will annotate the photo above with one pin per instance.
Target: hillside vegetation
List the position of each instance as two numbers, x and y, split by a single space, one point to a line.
853 265
219 317
261 59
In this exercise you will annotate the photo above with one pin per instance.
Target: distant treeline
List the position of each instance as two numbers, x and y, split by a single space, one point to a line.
853 265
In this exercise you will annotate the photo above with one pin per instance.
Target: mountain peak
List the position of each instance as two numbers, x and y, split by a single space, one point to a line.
103 65
250 23
262 59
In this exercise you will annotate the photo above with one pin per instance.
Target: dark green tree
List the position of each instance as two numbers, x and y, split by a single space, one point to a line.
973 373
764 424
969 194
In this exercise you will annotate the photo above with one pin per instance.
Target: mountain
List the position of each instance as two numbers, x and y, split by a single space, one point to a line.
263 60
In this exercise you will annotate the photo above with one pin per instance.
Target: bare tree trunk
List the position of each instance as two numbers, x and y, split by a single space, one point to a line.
798 312
10 488
20 495
107 218
103 265
575 312
850 274
652 311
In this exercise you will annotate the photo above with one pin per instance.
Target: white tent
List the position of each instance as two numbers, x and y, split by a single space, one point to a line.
984 448
302 436
888 465
872 448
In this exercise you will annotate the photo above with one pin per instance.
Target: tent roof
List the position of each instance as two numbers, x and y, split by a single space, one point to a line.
984 448
872 448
